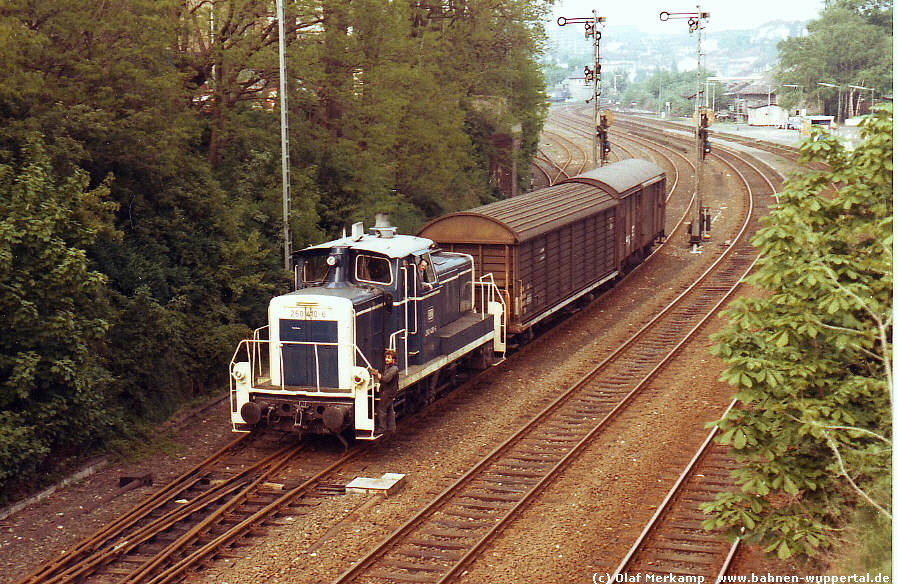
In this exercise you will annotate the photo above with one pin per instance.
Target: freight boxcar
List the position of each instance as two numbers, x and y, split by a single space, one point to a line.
548 248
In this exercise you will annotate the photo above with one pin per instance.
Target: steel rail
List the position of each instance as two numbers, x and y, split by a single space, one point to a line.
178 568
558 168
664 506
708 440
668 504
120 524
184 541
392 541
542 157
107 547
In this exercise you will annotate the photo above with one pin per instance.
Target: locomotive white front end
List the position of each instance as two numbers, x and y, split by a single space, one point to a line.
304 377
311 336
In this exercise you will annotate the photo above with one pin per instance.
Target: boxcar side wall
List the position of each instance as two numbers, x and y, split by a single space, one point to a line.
547 248
641 215
652 218
659 193
624 232
558 266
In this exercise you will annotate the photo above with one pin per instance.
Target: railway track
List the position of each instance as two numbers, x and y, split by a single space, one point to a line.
551 168
198 515
673 541
790 153
213 507
447 534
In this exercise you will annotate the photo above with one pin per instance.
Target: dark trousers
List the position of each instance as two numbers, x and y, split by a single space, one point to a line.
386 416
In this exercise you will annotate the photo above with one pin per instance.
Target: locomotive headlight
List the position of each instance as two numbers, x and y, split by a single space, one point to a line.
331 260
360 377
240 372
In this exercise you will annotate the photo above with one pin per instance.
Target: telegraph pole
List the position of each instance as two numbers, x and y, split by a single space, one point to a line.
701 220
285 138
600 141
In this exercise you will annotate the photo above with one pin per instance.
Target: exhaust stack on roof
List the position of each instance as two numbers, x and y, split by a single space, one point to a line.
382 227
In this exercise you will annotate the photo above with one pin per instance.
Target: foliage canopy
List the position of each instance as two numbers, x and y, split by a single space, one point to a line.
849 47
140 180
811 358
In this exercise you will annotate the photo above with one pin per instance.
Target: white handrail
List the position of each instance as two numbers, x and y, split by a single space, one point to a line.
473 280
490 292
253 351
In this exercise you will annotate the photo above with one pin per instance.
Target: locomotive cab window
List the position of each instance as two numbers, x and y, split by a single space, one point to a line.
426 271
373 270
314 269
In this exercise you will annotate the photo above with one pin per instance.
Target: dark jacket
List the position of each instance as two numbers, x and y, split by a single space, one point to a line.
389 382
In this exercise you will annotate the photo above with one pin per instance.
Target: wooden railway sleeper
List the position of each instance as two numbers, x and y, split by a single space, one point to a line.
448 523
399 577
500 488
468 513
413 566
426 553
472 501
437 538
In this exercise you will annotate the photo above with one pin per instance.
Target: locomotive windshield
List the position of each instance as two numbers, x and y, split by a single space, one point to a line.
314 269
373 270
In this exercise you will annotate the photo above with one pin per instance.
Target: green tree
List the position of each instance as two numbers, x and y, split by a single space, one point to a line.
848 45
228 53
388 97
53 385
489 50
106 92
811 358
876 12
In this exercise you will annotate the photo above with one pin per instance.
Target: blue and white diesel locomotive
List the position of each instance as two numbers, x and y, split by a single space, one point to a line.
535 255
354 297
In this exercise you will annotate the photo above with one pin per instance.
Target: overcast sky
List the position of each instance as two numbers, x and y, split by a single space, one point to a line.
725 14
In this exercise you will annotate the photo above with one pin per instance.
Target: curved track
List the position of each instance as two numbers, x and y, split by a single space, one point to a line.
558 158
450 532
228 497
673 541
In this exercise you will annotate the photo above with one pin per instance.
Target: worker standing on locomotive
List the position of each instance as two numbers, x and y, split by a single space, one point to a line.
389 387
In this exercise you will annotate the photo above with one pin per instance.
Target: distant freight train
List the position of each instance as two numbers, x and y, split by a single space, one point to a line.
445 299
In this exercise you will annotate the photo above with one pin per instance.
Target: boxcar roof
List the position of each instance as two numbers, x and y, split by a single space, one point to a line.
531 214
621 177
520 218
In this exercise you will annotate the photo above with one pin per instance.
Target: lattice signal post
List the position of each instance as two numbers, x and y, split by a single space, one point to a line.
600 142
701 224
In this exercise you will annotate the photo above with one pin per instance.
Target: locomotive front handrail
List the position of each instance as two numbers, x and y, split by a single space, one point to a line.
257 337
392 345
253 350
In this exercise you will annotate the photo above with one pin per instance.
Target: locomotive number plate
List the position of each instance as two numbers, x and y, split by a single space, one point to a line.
310 313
